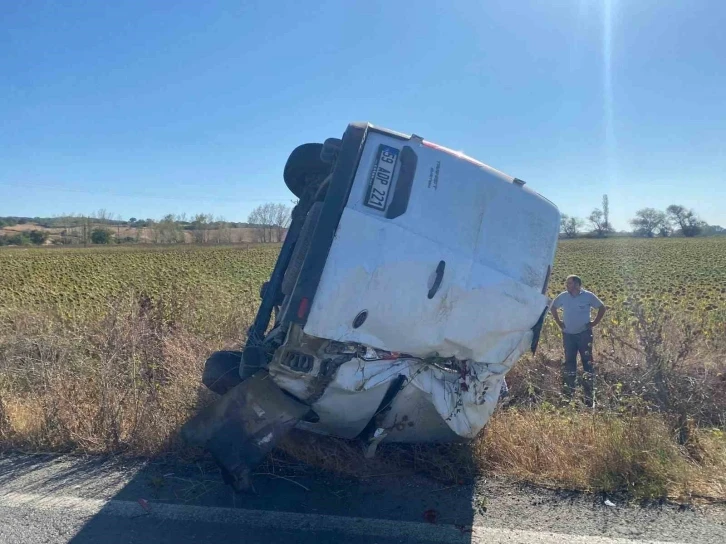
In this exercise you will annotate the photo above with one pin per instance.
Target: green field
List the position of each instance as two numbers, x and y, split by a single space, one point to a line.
686 273
214 286
689 272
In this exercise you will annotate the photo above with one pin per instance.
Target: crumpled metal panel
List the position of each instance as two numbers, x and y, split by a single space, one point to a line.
244 425
461 400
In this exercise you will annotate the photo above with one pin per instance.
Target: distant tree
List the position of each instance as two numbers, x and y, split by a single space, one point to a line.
564 218
224 231
119 221
606 213
648 222
168 231
686 220
103 216
200 227
132 220
85 225
38 237
571 227
155 233
282 218
271 220
597 219
101 236
665 230
713 230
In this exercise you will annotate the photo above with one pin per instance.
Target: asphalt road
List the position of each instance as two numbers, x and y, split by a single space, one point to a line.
45 499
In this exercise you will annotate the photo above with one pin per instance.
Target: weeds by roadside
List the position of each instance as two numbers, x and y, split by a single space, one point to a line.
127 382
636 455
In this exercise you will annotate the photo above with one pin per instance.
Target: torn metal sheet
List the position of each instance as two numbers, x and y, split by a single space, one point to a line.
436 403
244 425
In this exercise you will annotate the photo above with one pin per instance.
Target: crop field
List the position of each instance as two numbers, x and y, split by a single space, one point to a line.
688 274
216 284
102 350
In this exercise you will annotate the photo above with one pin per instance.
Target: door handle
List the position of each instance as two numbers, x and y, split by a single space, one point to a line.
438 279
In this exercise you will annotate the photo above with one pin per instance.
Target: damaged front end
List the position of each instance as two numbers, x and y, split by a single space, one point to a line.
243 426
410 281
349 391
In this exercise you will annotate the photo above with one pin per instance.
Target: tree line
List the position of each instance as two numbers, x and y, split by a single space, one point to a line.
649 222
33 237
267 222
599 222
676 220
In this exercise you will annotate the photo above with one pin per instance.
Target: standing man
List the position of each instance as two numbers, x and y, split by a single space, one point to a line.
576 303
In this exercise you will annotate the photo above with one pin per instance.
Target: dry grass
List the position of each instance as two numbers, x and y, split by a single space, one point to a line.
637 455
448 463
127 382
645 364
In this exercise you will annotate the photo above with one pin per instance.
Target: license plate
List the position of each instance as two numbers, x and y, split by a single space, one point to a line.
382 177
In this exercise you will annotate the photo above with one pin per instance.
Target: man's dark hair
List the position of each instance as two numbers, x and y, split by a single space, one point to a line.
576 279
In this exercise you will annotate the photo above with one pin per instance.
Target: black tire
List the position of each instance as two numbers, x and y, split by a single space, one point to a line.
222 371
330 150
304 162
301 248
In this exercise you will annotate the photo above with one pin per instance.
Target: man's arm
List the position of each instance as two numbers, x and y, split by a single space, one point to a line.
556 314
600 313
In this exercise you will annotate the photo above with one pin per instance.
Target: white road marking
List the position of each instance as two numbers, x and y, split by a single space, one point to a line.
290 521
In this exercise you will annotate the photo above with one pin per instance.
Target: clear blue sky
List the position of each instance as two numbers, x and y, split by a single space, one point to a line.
147 108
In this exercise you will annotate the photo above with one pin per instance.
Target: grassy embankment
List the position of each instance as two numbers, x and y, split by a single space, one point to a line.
102 350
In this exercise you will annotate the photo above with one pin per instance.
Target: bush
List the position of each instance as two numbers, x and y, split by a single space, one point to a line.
101 236
15 240
38 237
